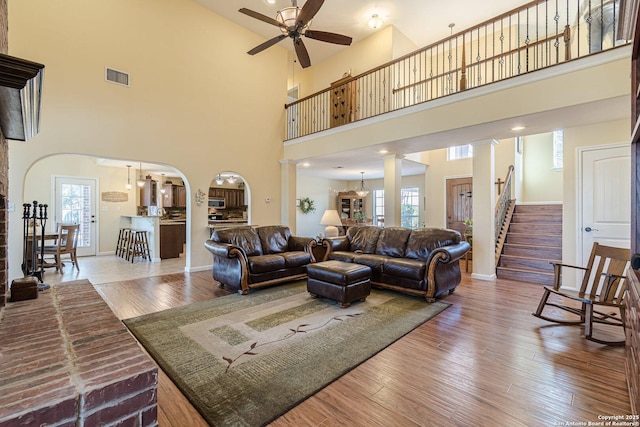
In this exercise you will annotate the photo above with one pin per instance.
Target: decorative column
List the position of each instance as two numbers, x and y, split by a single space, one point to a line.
392 190
484 201
288 176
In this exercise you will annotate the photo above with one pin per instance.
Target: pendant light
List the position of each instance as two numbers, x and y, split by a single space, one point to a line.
128 177
140 180
362 191
219 180
232 179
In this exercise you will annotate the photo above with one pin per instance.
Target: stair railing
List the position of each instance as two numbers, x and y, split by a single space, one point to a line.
503 212
536 35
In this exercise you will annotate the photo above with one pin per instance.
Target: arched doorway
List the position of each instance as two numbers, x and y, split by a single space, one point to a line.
229 201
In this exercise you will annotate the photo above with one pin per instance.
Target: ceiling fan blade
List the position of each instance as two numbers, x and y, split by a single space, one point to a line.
267 44
308 11
301 52
324 36
261 17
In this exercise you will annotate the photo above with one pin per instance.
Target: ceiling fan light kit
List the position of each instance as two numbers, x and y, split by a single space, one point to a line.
294 23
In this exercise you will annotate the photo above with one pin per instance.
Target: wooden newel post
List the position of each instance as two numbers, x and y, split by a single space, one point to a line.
567 45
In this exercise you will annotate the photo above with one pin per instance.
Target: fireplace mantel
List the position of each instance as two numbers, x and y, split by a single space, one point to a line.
20 97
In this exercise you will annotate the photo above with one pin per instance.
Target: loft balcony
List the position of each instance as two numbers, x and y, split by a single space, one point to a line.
536 36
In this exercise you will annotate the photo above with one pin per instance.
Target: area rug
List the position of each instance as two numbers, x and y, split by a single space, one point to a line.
245 360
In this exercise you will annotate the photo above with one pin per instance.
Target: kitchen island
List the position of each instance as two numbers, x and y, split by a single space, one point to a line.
173 236
227 223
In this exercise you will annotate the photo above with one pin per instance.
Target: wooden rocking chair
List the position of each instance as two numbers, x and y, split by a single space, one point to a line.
603 285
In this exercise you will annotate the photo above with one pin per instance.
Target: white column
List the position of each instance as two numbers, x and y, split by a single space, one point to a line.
484 201
288 176
392 189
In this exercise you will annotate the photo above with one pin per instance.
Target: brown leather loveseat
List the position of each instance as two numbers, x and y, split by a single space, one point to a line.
251 257
421 262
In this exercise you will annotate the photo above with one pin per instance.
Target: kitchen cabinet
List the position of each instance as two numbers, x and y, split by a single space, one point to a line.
349 203
172 239
233 197
149 193
175 196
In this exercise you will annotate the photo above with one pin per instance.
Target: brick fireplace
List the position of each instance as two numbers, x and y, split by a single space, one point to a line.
65 358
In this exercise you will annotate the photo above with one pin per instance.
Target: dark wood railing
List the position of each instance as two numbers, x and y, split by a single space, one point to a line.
537 35
503 212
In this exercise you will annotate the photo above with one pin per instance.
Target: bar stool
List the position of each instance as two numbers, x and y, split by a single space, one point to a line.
123 242
138 245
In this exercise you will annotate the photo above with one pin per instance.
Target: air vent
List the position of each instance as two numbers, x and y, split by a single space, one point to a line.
117 77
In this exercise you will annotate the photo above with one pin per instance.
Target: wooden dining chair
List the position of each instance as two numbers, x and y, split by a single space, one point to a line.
603 285
65 244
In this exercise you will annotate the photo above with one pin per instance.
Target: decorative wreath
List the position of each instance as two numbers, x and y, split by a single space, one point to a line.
306 205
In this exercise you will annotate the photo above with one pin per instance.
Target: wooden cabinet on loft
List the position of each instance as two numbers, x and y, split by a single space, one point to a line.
343 101
349 203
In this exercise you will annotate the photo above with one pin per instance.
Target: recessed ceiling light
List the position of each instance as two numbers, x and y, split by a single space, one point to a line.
517 128
383 151
306 164
271 1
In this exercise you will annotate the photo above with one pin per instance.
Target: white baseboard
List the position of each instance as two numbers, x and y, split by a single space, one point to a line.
200 268
485 277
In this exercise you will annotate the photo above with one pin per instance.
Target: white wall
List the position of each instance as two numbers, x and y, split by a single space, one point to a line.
541 182
324 194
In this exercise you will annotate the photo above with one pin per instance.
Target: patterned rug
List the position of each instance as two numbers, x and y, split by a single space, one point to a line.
246 360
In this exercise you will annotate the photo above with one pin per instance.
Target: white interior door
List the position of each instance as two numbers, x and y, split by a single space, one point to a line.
606 197
75 202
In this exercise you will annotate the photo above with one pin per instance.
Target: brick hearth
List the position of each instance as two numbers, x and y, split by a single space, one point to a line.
66 360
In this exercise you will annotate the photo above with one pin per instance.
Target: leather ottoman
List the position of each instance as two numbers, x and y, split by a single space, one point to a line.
343 282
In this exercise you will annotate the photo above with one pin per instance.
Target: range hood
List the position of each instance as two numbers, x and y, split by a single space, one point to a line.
20 97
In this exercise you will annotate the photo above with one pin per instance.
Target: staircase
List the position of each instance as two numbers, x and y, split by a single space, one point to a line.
533 240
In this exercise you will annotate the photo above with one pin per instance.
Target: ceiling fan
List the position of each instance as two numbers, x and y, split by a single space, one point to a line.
294 23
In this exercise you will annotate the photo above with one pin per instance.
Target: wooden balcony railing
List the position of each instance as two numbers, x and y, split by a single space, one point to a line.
537 35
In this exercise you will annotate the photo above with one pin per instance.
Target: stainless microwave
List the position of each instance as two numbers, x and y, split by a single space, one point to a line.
217 202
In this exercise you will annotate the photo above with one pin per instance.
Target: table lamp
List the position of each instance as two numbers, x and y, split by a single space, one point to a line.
331 219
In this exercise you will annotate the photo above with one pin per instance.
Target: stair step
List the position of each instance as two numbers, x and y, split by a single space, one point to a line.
541 209
535 239
521 275
544 252
536 264
536 218
541 228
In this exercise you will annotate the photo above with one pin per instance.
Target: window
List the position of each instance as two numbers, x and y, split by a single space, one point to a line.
460 152
409 208
378 207
558 145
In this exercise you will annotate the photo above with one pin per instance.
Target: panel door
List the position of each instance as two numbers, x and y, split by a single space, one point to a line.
459 202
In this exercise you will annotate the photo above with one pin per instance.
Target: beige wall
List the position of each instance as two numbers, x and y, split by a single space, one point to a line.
40 180
541 182
197 101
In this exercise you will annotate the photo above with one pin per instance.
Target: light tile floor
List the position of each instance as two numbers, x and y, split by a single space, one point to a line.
110 268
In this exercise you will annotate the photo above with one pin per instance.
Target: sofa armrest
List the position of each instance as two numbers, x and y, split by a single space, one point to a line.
451 253
333 244
225 250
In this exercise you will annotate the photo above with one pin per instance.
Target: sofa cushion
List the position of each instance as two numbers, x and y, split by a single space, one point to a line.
341 256
244 237
393 241
414 269
296 258
374 261
274 238
266 263
363 238
422 241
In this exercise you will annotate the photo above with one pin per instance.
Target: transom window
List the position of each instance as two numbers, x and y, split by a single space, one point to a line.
460 152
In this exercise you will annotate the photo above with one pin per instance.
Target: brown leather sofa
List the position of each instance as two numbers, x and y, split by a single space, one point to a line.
421 262
251 257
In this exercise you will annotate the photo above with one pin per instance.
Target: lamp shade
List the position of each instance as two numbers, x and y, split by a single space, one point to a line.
331 219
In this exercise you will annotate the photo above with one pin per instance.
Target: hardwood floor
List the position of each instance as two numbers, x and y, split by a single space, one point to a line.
483 361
